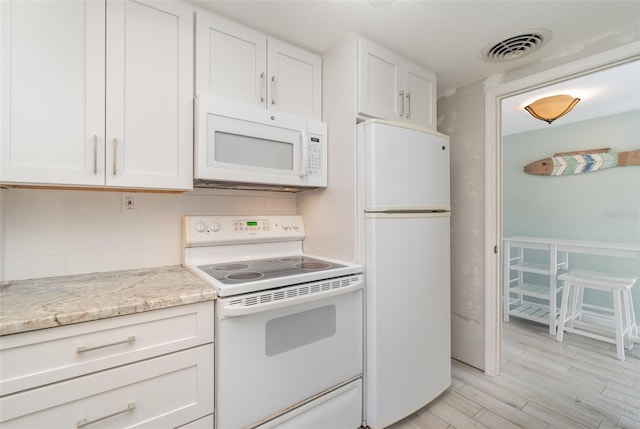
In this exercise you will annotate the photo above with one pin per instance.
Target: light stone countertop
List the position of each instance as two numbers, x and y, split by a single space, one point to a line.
28 305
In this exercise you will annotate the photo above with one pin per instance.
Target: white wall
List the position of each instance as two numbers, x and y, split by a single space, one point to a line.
461 118
596 206
63 232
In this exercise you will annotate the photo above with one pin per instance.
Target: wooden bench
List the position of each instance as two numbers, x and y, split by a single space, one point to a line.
572 309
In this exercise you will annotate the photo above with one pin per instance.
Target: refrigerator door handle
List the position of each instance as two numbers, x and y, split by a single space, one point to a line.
396 214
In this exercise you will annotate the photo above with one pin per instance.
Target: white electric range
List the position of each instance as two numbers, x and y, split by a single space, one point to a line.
288 332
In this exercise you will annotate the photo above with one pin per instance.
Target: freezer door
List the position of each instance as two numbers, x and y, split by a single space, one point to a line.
408 346
404 168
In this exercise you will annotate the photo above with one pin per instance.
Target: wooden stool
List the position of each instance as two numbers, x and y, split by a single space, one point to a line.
572 311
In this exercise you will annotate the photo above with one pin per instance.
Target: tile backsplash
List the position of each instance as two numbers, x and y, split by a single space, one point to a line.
47 233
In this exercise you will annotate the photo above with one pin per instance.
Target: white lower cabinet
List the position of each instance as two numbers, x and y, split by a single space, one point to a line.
151 369
162 392
203 423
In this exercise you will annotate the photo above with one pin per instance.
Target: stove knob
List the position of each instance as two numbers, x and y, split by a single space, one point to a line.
294 225
201 226
285 224
214 226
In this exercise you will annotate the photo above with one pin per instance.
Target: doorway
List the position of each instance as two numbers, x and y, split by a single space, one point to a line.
493 179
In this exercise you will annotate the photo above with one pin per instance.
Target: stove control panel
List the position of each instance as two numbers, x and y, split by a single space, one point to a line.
201 230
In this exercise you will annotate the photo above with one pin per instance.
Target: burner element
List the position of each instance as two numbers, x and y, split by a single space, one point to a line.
252 270
312 265
297 259
244 276
230 267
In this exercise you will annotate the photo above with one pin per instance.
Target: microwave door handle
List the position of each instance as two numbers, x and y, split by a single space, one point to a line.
305 156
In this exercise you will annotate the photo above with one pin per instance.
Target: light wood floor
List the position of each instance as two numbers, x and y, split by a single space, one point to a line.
578 383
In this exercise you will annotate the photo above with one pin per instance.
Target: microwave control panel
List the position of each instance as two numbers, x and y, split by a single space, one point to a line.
315 160
317 153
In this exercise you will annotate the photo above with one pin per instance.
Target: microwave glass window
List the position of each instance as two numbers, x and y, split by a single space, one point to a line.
252 151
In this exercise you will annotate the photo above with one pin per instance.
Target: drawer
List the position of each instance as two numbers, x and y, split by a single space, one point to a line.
340 408
203 423
166 391
46 356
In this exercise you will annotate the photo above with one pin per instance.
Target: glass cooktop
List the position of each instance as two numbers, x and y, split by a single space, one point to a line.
262 269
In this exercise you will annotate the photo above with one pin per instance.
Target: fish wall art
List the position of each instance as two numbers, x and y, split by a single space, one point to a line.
582 161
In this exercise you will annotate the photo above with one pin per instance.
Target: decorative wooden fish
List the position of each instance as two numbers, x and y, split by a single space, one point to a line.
582 161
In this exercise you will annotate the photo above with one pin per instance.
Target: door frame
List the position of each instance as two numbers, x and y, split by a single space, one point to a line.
493 179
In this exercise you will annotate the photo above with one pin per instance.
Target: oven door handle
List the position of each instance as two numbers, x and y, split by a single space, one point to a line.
235 311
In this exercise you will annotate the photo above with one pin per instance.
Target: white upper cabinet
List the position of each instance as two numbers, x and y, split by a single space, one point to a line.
231 60
393 87
96 94
295 78
52 92
238 63
419 87
379 80
149 133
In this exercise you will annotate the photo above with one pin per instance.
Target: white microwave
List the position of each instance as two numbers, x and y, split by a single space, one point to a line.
239 146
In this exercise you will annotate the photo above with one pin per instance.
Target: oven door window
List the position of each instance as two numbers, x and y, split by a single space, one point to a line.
297 330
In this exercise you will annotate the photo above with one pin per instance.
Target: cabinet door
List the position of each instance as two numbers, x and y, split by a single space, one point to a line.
420 95
149 128
294 80
231 60
379 81
52 92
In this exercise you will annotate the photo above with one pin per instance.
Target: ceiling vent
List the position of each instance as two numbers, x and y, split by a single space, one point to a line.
515 46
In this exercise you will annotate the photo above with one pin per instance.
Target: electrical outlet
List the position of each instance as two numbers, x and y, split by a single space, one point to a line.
129 203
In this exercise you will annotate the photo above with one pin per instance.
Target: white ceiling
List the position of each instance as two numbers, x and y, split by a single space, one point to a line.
446 36
603 93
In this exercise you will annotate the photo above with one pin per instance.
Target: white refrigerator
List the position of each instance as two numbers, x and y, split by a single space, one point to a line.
404 205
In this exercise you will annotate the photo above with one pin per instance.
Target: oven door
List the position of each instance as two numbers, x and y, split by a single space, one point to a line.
286 352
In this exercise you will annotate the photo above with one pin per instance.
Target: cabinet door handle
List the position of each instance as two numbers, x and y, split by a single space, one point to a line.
115 155
95 154
84 422
273 89
401 94
408 105
262 86
83 349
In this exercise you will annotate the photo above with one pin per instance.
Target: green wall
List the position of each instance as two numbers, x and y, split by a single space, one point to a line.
597 206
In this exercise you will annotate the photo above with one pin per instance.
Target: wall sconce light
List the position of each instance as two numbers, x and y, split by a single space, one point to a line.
549 109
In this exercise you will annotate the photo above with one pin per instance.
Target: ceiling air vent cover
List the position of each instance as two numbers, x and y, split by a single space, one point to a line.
515 46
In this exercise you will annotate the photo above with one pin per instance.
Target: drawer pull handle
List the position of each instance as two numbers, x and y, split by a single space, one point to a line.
84 422
83 349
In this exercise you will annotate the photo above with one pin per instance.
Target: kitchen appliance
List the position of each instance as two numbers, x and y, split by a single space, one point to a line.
391 214
241 146
289 325
405 211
